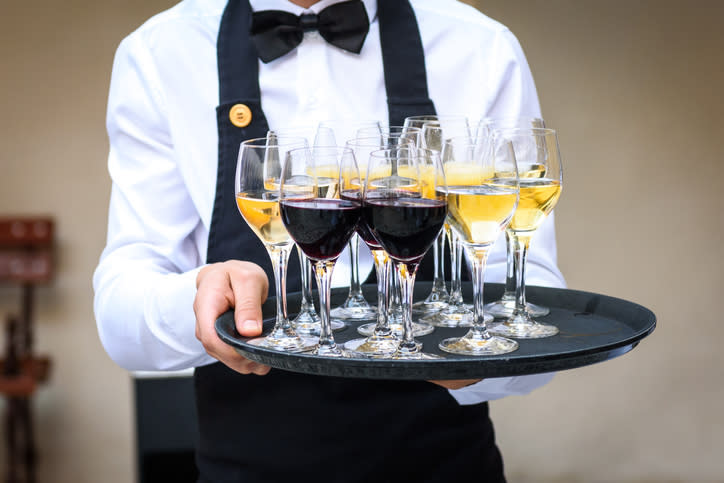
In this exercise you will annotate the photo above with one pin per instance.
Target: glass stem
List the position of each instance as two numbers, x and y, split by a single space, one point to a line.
355 290
279 258
407 282
438 282
521 251
382 267
323 271
510 274
306 266
479 256
393 292
456 292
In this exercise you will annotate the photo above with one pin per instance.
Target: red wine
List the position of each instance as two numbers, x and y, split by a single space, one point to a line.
320 227
362 230
405 227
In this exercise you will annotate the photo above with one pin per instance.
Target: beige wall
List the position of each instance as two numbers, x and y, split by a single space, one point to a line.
635 91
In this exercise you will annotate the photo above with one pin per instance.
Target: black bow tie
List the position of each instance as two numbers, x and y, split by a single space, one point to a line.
276 32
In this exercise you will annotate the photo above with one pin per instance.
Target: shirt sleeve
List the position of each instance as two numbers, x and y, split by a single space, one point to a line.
516 97
145 280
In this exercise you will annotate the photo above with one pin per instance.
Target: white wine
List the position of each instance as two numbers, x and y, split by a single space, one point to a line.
538 196
479 213
524 171
260 210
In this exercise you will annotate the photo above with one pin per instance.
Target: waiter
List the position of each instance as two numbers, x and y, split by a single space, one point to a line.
187 87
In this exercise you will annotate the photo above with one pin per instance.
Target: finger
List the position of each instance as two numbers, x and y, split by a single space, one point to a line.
259 369
245 366
456 383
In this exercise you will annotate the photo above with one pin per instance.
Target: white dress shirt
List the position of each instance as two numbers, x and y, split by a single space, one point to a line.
163 156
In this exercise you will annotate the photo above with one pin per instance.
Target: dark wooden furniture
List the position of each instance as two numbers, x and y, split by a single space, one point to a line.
26 260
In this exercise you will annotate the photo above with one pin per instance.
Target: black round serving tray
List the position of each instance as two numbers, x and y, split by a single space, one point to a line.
593 328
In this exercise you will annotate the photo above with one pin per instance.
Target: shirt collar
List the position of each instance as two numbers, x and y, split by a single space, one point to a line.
287 6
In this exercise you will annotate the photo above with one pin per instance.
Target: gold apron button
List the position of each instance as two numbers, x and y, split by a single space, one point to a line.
240 115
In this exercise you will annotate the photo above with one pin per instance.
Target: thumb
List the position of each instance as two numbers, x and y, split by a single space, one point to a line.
249 293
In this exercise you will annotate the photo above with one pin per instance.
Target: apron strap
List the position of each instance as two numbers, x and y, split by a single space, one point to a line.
403 59
238 62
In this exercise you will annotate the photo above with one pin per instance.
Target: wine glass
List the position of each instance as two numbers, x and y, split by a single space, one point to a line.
455 312
503 308
307 322
405 212
438 298
392 136
355 307
258 172
382 338
389 313
480 206
318 220
539 165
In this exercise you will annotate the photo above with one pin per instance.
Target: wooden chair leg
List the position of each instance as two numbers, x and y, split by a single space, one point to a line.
29 455
19 436
12 474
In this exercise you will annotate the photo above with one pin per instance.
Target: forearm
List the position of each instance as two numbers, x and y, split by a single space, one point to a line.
145 317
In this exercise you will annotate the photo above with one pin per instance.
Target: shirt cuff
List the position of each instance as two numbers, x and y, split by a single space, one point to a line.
173 322
499 387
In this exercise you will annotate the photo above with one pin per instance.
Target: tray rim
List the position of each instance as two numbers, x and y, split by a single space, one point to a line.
457 367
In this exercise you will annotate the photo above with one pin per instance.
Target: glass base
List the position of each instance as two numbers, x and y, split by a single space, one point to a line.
373 346
418 329
305 325
423 309
329 351
436 301
354 308
285 343
521 328
306 316
459 316
478 346
503 308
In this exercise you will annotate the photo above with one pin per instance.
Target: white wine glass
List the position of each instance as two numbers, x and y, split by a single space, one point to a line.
439 298
455 312
479 208
503 308
541 178
258 172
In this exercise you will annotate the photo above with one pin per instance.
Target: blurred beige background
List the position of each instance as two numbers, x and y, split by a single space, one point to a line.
635 89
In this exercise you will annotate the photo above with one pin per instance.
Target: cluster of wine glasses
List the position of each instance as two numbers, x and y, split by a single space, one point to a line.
400 190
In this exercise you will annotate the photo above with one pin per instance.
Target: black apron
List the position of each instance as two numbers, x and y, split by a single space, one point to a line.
292 427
